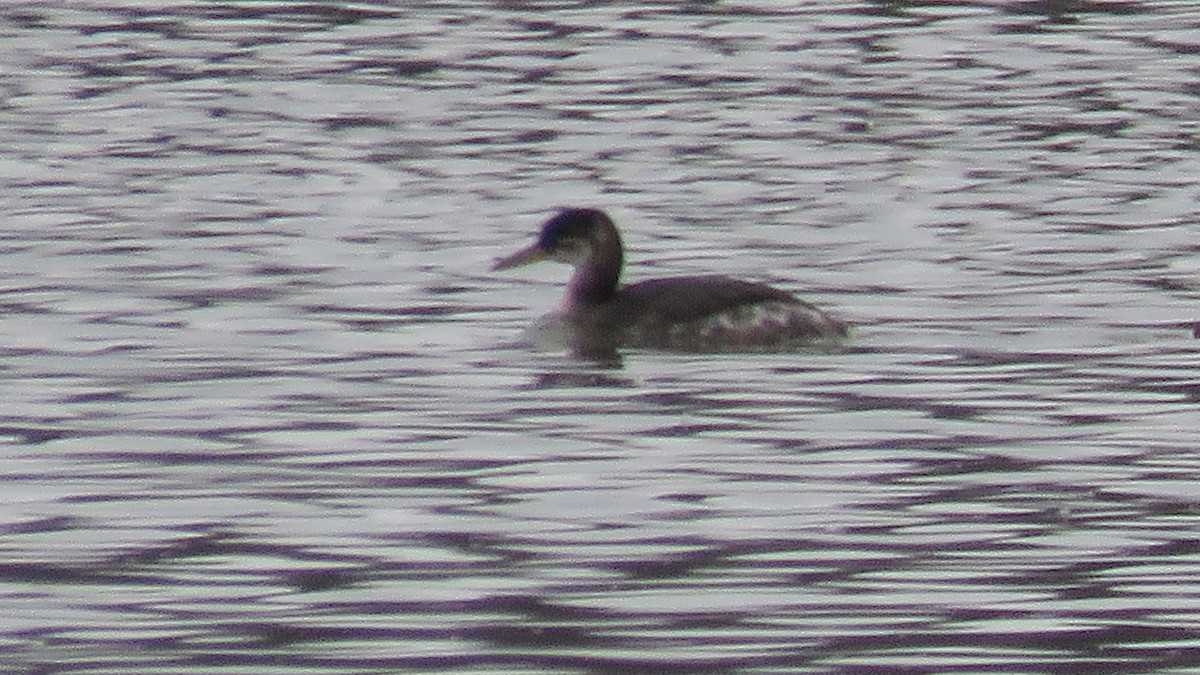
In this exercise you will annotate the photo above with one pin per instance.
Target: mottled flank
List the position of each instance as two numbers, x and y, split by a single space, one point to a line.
723 314
773 325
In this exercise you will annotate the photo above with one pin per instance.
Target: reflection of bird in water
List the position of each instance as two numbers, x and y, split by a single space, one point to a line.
697 313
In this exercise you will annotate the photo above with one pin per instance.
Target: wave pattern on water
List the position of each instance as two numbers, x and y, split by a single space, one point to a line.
263 408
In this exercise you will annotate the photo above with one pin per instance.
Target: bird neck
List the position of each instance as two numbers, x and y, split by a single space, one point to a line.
596 278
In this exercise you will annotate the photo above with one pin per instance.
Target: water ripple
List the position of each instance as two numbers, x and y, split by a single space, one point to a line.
265 409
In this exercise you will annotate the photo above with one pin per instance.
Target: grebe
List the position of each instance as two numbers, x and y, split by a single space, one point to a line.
695 313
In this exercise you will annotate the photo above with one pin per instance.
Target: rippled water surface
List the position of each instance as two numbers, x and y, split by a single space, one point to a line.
265 409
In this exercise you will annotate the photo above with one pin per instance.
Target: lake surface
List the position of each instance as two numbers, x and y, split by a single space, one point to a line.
265 409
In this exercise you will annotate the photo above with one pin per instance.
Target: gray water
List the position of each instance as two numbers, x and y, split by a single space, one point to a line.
264 409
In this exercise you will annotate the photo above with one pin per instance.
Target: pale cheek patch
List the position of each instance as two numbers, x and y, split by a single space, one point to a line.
573 253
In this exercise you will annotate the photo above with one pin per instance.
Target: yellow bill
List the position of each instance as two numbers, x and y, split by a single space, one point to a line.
525 256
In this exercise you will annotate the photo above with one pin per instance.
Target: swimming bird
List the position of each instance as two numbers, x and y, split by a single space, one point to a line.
694 313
